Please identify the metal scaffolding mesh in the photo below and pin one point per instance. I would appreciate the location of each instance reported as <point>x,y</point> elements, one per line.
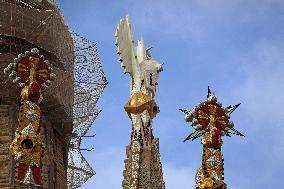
<point>25,24</point>
<point>32,4</point>
<point>89,84</point>
<point>44,28</point>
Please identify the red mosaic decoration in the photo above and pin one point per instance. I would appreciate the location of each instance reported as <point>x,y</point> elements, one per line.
<point>212,109</point>
<point>22,171</point>
<point>32,73</point>
<point>34,95</point>
<point>33,61</point>
<point>211,120</point>
<point>36,175</point>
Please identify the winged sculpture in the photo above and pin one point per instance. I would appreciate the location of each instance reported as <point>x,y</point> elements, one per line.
<point>138,62</point>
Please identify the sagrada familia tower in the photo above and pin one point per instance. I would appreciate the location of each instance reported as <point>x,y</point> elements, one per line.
<point>142,167</point>
<point>211,121</point>
<point>51,80</point>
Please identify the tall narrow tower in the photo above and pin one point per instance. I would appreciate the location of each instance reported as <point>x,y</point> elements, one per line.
<point>211,121</point>
<point>68,108</point>
<point>142,167</point>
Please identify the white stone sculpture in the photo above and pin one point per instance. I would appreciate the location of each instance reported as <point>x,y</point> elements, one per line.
<point>138,62</point>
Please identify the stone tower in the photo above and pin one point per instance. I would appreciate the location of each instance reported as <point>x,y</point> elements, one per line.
<point>66,116</point>
<point>143,168</point>
<point>211,121</point>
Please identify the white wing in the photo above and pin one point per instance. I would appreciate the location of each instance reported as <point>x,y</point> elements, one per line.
<point>125,45</point>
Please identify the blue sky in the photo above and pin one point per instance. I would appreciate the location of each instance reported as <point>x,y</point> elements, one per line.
<point>234,46</point>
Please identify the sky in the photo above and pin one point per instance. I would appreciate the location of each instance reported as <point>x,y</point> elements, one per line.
<point>234,46</point>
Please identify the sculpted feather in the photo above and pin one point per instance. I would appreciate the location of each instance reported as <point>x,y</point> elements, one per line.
<point>125,45</point>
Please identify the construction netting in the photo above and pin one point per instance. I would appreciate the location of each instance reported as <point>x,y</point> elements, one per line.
<point>89,84</point>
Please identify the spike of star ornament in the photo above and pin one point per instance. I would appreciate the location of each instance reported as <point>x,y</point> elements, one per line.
<point>211,121</point>
<point>32,73</point>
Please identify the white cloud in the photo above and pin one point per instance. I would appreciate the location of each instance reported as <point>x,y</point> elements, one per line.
<point>262,90</point>
<point>186,20</point>
<point>168,18</point>
<point>178,177</point>
<point>262,95</point>
<point>109,167</point>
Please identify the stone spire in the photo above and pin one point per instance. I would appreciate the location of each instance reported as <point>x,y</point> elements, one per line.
<point>31,72</point>
<point>211,121</point>
<point>142,167</point>
<point>65,114</point>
